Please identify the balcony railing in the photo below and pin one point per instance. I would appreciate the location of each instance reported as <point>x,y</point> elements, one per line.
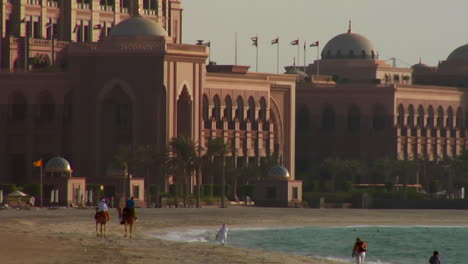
<point>33,2</point>
<point>52,3</point>
<point>124,10</point>
<point>149,12</point>
<point>83,6</point>
<point>107,8</point>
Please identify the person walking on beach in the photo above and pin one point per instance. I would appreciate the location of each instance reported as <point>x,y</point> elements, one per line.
<point>222,234</point>
<point>435,258</point>
<point>359,251</point>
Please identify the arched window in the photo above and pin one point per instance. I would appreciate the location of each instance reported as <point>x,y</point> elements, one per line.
<point>401,116</point>
<point>46,107</point>
<point>440,117</point>
<point>216,113</point>
<point>459,120</point>
<point>430,117</point>
<point>18,107</point>
<point>328,118</point>
<point>363,54</point>
<point>228,112</point>
<point>379,119</point>
<point>240,109</point>
<point>373,54</point>
<point>410,120</point>
<point>420,121</point>
<point>251,111</point>
<point>206,117</point>
<point>263,110</point>
<point>354,119</point>
<point>450,117</point>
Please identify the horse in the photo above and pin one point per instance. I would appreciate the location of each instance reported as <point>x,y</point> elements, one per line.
<point>127,219</point>
<point>101,219</point>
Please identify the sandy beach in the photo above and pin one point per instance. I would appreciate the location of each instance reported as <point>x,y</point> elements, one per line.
<point>68,235</point>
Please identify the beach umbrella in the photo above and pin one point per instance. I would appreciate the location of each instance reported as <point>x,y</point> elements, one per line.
<point>17,194</point>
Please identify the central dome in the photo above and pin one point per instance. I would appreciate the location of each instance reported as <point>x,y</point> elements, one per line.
<point>461,53</point>
<point>138,26</point>
<point>349,46</point>
<point>278,172</point>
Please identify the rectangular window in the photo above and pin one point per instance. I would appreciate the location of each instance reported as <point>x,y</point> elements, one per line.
<point>86,34</point>
<point>295,193</point>
<point>136,192</point>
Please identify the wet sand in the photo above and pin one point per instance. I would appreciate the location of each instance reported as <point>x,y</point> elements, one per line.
<point>68,235</point>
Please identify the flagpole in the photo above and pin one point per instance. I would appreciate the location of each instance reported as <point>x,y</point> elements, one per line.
<point>305,55</point>
<point>318,61</point>
<point>257,55</point>
<point>298,49</point>
<point>41,187</point>
<point>277,57</point>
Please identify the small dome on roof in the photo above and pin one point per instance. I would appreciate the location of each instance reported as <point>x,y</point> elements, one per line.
<point>58,164</point>
<point>138,26</point>
<point>278,172</point>
<point>349,46</point>
<point>460,53</point>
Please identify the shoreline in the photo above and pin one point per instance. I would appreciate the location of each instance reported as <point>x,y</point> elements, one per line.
<point>68,235</point>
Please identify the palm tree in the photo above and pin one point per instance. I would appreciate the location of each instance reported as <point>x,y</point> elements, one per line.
<point>183,161</point>
<point>217,148</point>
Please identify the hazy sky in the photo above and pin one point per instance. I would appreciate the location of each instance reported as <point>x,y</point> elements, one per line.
<point>405,29</point>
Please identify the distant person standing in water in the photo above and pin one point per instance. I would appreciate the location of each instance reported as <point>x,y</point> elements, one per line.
<point>359,251</point>
<point>222,234</point>
<point>435,258</point>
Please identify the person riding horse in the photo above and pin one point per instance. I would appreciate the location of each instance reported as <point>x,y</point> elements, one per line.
<point>129,209</point>
<point>102,210</point>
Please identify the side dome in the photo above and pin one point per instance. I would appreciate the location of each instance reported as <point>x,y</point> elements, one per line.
<point>278,172</point>
<point>349,46</point>
<point>58,164</point>
<point>138,26</point>
<point>461,53</point>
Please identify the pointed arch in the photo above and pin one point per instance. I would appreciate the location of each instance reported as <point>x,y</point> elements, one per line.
<point>228,108</point>
<point>216,112</point>
<point>263,109</point>
<point>421,117</point>
<point>184,113</point>
<point>449,121</point>
<point>401,115</point>
<point>251,110</point>
<point>430,117</point>
<point>410,120</point>
<point>440,117</point>
<point>206,114</point>
<point>459,119</point>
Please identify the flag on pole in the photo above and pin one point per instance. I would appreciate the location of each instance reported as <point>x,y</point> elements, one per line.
<point>275,41</point>
<point>48,24</point>
<point>314,44</point>
<point>37,163</point>
<point>294,42</point>
<point>254,41</point>
<point>208,44</point>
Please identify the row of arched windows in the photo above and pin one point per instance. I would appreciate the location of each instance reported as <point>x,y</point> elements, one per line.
<point>230,111</point>
<point>430,118</point>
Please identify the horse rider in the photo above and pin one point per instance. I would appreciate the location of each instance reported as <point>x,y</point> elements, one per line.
<point>130,206</point>
<point>103,208</point>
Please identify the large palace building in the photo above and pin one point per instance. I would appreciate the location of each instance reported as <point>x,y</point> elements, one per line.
<point>362,107</point>
<point>79,78</point>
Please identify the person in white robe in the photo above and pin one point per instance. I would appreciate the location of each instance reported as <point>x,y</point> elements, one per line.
<point>222,234</point>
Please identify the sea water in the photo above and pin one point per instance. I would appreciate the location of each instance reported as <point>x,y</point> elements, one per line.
<point>386,244</point>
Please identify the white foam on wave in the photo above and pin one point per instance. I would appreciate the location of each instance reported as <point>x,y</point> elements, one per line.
<point>192,235</point>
